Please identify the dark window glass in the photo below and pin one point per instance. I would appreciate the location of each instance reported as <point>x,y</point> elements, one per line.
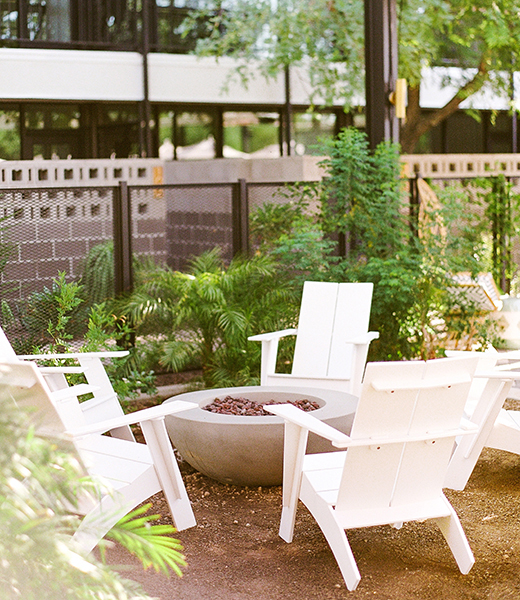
<point>8,19</point>
<point>186,135</point>
<point>310,131</point>
<point>118,131</point>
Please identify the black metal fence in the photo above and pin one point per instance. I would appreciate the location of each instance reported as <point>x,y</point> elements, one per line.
<point>48,231</point>
<point>495,200</point>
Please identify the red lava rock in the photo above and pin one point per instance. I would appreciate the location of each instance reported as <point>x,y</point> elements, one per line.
<point>250,408</point>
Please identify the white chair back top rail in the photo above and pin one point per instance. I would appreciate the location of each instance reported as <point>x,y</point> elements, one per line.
<point>331,314</point>
<point>411,471</point>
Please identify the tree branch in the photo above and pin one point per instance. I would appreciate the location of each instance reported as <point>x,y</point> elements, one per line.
<point>417,123</point>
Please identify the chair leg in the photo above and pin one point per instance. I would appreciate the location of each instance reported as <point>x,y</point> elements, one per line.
<point>460,467</point>
<point>295,442</point>
<point>287,521</point>
<point>454,534</point>
<point>168,473</point>
<point>337,540</point>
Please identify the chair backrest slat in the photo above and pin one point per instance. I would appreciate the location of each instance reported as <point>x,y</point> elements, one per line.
<point>330,315</point>
<point>315,326</point>
<point>383,413</point>
<point>351,321</point>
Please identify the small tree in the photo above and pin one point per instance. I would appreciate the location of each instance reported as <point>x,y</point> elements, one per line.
<point>363,200</point>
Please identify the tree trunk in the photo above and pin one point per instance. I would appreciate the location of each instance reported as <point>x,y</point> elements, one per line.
<point>417,123</point>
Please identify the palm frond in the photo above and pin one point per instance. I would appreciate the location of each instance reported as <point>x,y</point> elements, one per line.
<point>150,543</point>
<point>179,355</point>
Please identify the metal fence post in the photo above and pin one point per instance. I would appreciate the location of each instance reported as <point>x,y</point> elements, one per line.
<point>240,218</point>
<point>414,203</point>
<point>122,222</point>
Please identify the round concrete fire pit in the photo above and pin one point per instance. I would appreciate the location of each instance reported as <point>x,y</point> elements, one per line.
<point>246,450</point>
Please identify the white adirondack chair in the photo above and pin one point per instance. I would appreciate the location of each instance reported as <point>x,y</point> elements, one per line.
<point>129,472</point>
<point>497,428</point>
<point>332,339</point>
<point>103,405</point>
<point>393,470</point>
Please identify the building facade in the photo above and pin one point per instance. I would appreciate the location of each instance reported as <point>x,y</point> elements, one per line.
<point>115,78</point>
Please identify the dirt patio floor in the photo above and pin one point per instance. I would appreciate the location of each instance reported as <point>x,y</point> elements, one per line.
<point>235,553</point>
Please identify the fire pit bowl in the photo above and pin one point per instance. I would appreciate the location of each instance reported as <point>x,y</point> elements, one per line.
<point>246,450</point>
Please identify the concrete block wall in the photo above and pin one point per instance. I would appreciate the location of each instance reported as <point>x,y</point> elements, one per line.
<point>149,228</point>
<point>52,231</point>
<point>58,210</point>
<point>198,218</point>
<point>80,172</point>
<point>448,166</point>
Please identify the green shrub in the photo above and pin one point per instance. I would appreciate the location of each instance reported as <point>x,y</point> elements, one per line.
<point>204,317</point>
<point>55,315</point>
<point>67,318</point>
<point>362,231</point>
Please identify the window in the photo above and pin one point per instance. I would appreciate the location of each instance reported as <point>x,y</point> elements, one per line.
<point>186,135</point>
<point>8,19</point>
<point>251,133</point>
<point>48,116</point>
<point>9,134</point>
<point>167,26</point>
<point>310,130</point>
<point>48,20</point>
<point>118,131</point>
<point>100,22</point>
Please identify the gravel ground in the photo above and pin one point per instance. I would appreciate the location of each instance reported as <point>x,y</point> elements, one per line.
<point>235,553</point>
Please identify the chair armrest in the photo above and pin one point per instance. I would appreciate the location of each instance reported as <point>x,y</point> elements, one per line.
<point>275,335</point>
<point>76,355</point>
<point>508,355</point>
<point>496,374</point>
<point>290,413</point>
<point>147,414</point>
<point>366,338</point>
<point>508,366</point>
<point>270,350</point>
